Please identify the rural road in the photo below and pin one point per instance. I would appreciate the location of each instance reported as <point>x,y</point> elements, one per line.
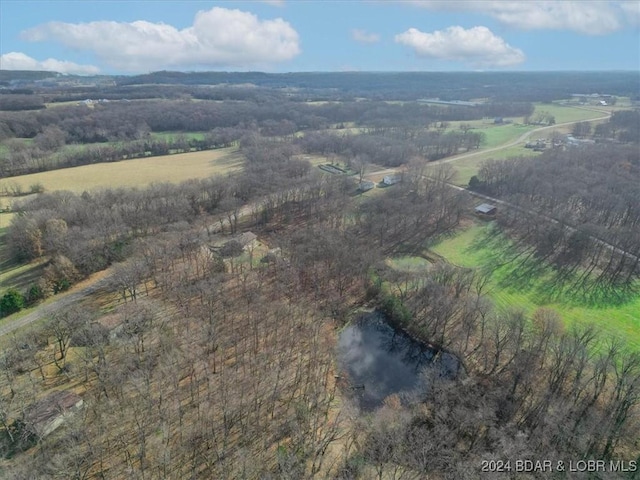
<point>497,201</point>
<point>521,139</point>
<point>101,279</point>
<point>67,299</point>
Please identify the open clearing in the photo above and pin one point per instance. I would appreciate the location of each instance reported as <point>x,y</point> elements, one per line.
<point>12,273</point>
<point>468,167</point>
<point>409,264</point>
<point>138,172</point>
<point>466,249</point>
<point>565,113</point>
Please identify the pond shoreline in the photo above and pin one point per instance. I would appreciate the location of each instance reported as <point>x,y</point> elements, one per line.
<point>379,359</point>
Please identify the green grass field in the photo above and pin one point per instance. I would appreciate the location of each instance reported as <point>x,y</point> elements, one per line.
<point>174,135</point>
<point>137,172</point>
<point>468,167</point>
<point>468,248</point>
<point>496,135</point>
<point>408,264</point>
<point>565,113</point>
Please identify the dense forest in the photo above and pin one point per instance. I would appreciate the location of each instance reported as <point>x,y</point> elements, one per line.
<point>591,197</point>
<point>191,330</point>
<point>223,369</point>
<point>120,130</point>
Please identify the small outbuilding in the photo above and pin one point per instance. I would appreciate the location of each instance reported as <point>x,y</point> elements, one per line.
<point>366,185</point>
<point>389,180</point>
<point>486,210</point>
<point>44,416</point>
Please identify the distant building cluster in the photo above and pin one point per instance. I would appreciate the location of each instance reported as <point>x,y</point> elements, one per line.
<point>463,103</point>
<point>601,99</point>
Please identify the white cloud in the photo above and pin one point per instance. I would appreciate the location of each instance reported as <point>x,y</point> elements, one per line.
<point>20,61</point>
<point>631,10</point>
<point>218,38</point>
<point>587,17</point>
<point>363,36</point>
<point>477,46</point>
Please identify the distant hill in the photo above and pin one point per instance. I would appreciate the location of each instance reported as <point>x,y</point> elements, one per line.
<point>530,86</point>
<point>26,75</point>
<point>447,86</point>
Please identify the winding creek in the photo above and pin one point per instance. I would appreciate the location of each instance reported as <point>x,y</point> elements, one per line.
<point>379,360</point>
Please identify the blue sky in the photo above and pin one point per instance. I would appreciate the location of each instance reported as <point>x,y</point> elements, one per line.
<point>131,36</point>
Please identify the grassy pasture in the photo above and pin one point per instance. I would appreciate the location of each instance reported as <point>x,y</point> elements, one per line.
<point>169,136</point>
<point>137,172</point>
<point>468,248</point>
<point>566,113</point>
<point>468,167</point>
<point>496,135</point>
<point>408,264</point>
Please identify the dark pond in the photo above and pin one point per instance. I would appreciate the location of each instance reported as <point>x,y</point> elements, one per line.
<point>379,360</point>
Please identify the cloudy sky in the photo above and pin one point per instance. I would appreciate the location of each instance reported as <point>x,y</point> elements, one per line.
<point>130,36</point>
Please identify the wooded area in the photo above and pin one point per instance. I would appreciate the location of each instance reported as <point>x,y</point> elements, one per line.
<point>589,197</point>
<point>206,348</point>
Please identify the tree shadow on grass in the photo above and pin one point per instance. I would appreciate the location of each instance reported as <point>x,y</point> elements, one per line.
<point>588,293</point>
<point>515,269</point>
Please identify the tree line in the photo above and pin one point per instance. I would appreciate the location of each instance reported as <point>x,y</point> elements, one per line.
<point>587,198</point>
<point>221,371</point>
<point>118,131</point>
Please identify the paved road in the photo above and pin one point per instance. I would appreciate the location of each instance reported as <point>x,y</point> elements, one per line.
<point>572,229</point>
<point>92,285</point>
<point>521,139</point>
<point>67,299</point>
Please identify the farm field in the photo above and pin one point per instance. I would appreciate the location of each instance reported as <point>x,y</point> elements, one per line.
<point>565,113</point>
<point>138,172</point>
<point>468,167</point>
<point>503,134</point>
<point>466,249</point>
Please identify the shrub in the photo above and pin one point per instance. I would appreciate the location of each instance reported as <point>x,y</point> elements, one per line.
<point>34,294</point>
<point>12,301</point>
<point>36,188</point>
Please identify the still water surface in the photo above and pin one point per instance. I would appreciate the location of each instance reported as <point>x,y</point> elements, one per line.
<point>385,361</point>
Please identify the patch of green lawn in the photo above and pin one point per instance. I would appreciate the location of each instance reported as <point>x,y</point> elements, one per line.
<point>169,136</point>
<point>468,167</point>
<point>565,113</point>
<point>496,135</point>
<point>470,248</point>
<point>409,264</point>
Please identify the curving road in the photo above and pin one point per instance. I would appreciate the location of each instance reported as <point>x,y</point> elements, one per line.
<point>521,139</point>
<point>102,279</point>
<point>77,293</point>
